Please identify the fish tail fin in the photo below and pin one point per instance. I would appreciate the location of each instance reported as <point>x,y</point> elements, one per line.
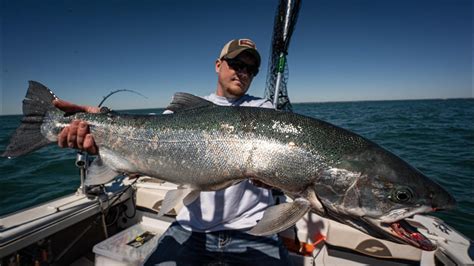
<point>27,137</point>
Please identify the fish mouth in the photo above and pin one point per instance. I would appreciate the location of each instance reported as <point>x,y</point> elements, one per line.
<point>400,226</point>
<point>406,232</point>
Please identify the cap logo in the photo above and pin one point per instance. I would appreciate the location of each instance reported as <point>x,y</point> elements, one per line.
<point>247,42</point>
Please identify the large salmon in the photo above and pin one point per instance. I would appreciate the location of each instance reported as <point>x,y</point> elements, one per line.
<point>202,147</point>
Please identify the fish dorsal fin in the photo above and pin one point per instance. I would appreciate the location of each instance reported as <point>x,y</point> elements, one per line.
<point>184,101</point>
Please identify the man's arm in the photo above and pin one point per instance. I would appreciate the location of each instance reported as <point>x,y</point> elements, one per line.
<point>77,134</point>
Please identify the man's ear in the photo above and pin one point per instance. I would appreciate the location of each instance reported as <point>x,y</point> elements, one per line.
<point>218,65</point>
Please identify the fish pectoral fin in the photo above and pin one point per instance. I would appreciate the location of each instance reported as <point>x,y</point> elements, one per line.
<point>192,196</point>
<point>175,198</point>
<point>280,217</point>
<point>98,173</point>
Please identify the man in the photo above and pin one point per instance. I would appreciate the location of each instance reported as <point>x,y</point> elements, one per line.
<point>211,230</point>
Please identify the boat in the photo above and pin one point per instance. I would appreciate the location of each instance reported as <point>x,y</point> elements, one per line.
<point>118,224</point>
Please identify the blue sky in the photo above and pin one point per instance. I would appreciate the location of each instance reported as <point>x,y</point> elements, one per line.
<point>341,50</point>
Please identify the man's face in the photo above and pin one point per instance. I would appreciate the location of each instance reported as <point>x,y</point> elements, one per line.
<point>235,75</point>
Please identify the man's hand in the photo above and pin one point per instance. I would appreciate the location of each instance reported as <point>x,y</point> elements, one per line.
<point>77,134</point>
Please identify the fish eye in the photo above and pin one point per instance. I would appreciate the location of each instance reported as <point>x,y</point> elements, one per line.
<point>401,195</point>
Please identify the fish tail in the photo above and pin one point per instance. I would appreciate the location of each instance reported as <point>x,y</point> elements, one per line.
<point>28,137</point>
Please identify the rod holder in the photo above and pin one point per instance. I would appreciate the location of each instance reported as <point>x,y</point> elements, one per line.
<point>82,162</point>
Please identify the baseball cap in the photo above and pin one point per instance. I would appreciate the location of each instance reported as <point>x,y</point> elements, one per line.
<point>234,47</point>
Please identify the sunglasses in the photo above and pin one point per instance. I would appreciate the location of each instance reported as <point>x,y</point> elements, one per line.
<point>238,66</point>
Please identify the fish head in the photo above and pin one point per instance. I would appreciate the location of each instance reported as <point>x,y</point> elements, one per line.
<point>375,191</point>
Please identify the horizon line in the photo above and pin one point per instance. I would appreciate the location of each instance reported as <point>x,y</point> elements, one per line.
<point>329,101</point>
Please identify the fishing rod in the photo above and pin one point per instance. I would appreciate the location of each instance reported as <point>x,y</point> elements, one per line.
<point>121,90</point>
<point>277,77</point>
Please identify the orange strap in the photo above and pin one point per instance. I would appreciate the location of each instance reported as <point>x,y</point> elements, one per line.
<point>303,248</point>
